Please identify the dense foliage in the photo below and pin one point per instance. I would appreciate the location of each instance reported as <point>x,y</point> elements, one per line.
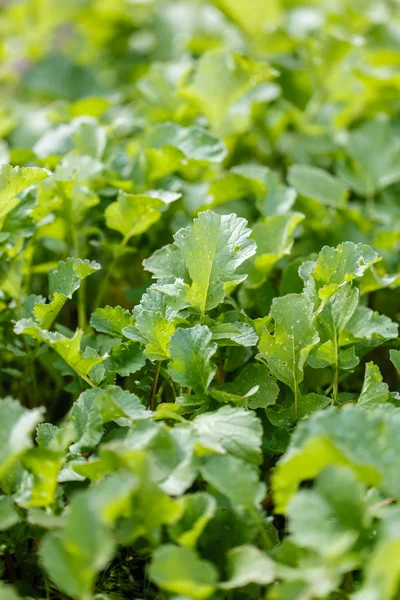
<point>199,274</point>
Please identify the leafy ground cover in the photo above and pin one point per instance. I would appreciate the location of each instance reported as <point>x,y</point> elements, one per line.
<point>199,275</point>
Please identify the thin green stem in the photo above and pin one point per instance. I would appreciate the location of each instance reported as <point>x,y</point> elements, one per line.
<point>335,388</point>
<point>295,386</point>
<point>75,250</point>
<point>88,381</point>
<point>154,386</point>
<point>370,204</point>
<point>261,528</point>
<point>82,305</point>
<point>103,286</point>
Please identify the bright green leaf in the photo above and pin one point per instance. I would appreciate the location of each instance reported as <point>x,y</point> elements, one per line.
<point>182,571</point>
<point>223,243</point>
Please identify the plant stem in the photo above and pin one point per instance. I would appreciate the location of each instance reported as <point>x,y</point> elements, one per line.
<point>370,204</point>
<point>88,381</point>
<point>220,370</point>
<point>295,386</point>
<point>260,526</point>
<point>82,305</point>
<point>295,400</point>
<point>103,286</point>
<point>382,503</point>
<point>154,386</point>
<point>75,250</point>
<point>335,388</point>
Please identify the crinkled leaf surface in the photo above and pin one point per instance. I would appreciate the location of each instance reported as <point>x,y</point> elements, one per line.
<point>68,348</point>
<point>255,387</point>
<point>133,214</point>
<point>337,266</point>
<point>233,430</point>
<point>374,389</point>
<point>111,320</point>
<point>14,180</point>
<point>191,358</point>
<point>223,243</point>
<point>63,282</point>
<point>286,351</point>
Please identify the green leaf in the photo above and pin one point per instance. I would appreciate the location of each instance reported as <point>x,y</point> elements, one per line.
<point>154,318</point>
<point>111,320</point>
<point>44,466</point>
<point>365,441</point>
<point>286,351</point>
<point>126,358</point>
<point>151,508</point>
<point>317,184</point>
<point>63,282</point>
<point>94,408</point>
<point>235,431</point>
<point>18,424</point>
<point>8,592</point>
<point>167,262</point>
<point>86,539</point>
<point>14,180</point>
<point>382,572</point>
<point>152,437</point>
<point>193,143</point>
<point>67,348</point>
<point>254,21</point>
<point>252,181</point>
<point>306,406</point>
<point>376,278</point>
<point>279,198</point>
<point>374,389</point>
<point>329,518</point>
<point>8,513</point>
<point>235,479</point>
<point>247,564</point>
<point>133,214</point>
<point>255,387</point>
<point>221,80</point>
<point>339,310</point>
<point>158,332</point>
<point>332,320</point>
<point>242,181</point>
<point>274,239</point>
<point>228,332</point>
<point>45,434</point>
<point>185,472</point>
<point>224,244</point>
<point>337,266</point>
<point>368,326</point>
<point>181,571</point>
<point>199,509</point>
<point>371,167</point>
<point>191,353</point>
